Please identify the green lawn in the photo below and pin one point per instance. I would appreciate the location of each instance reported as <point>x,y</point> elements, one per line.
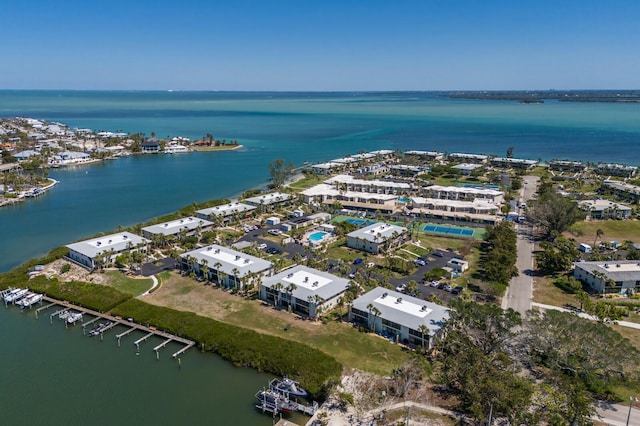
<point>614,230</point>
<point>307,182</point>
<point>125,284</point>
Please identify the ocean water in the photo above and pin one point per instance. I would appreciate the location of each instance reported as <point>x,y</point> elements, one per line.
<point>56,376</point>
<point>299,127</point>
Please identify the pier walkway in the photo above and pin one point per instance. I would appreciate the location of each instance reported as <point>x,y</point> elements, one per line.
<point>132,326</point>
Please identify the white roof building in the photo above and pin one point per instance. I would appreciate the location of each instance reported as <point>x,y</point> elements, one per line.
<point>613,276</point>
<point>397,315</point>
<point>304,289</point>
<point>225,210</point>
<point>269,199</point>
<point>85,252</point>
<point>374,237</point>
<point>226,266</point>
<point>174,227</point>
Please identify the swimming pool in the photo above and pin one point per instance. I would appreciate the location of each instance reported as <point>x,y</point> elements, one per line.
<point>317,236</point>
<point>404,200</point>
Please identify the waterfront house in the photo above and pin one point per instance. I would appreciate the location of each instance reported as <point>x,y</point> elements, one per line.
<point>618,276</point>
<point>305,291</point>
<point>567,166</point>
<point>100,251</point>
<point>150,147</point>
<point>425,155</point>
<point>179,227</point>
<point>516,163</point>
<point>269,201</point>
<point>619,170</point>
<point>377,238</point>
<point>605,209</point>
<point>466,168</point>
<point>467,158</point>
<point>225,213</point>
<point>403,318</point>
<point>226,267</point>
<point>25,155</point>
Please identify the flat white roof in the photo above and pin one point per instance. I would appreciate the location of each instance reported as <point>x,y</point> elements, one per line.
<point>377,232</point>
<point>463,190</point>
<point>404,310</point>
<point>229,260</point>
<point>175,226</point>
<point>266,199</point>
<point>380,183</point>
<point>309,282</point>
<point>463,155</point>
<point>226,209</point>
<point>478,203</point>
<point>118,242</point>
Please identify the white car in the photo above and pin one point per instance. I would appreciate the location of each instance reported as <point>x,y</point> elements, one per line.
<point>435,283</point>
<point>262,246</point>
<point>274,231</point>
<point>401,288</point>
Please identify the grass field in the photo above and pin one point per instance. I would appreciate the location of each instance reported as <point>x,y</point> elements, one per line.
<point>306,182</point>
<point>125,284</point>
<point>352,348</point>
<point>614,230</point>
<point>544,291</point>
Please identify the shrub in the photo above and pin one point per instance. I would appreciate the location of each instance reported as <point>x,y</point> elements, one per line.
<point>65,268</point>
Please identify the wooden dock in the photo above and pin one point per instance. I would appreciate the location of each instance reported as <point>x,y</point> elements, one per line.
<point>131,326</point>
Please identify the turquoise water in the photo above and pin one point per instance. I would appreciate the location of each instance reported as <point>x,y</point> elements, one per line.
<point>51,375</point>
<point>404,199</point>
<point>317,236</point>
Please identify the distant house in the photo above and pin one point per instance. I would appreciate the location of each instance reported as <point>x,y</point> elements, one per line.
<point>306,291</point>
<point>467,158</point>
<point>377,238</point>
<point>150,147</point>
<point>466,168</point>
<point>605,209</point>
<point>567,166</point>
<point>187,225</point>
<point>25,155</point>
<point>623,190</point>
<point>620,170</point>
<point>516,163</point>
<point>403,318</point>
<point>226,212</point>
<point>89,253</point>
<point>458,265</point>
<point>269,201</point>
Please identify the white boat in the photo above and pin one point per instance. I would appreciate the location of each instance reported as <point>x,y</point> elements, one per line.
<point>64,315</point>
<point>25,299</point>
<point>31,300</point>
<point>175,149</point>
<point>9,293</point>
<point>13,297</point>
<point>73,317</point>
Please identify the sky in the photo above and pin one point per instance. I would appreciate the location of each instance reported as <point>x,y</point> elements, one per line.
<point>326,45</point>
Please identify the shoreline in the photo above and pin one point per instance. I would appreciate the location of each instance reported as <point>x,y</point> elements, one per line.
<point>216,148</point>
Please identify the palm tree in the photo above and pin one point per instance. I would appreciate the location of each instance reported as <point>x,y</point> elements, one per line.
<point>235,272</point>
<point>277,287</point>
<point>599,234</point>
<point>424,330</point>
<point>205,269</point>
<point>217,267</point>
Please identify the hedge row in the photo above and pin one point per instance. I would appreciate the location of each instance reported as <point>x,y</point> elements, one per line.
<point>315,370</point>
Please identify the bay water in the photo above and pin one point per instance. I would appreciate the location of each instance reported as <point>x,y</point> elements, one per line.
<point>58,376</point>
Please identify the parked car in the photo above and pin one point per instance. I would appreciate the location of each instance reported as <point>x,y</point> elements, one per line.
<point>434,283</point>
<point>437,253</point>
<point>357,261</point>
<point>262,246</point>
<point>274,231</point>
<point>401,288</point>
<point>457,290</point>
<point>273,250</point>
<point>448,288</point>
<point>370,265</point>
<point>420,262</point>
<point>352,275</point>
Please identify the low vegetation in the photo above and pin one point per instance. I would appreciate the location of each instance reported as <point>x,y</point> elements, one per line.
<point>244,347</point>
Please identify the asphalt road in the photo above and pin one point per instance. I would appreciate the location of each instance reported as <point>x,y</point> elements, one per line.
<point>520,291</point>
<point>616,415</point>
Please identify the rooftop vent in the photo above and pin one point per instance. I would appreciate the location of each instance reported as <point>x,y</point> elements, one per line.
<point>124,237</point>
<point>98,243</point>
<point>424,308</point>
<point>289,275</point>
<point>606,265</point>
<point>109,241</point>
<point>237,257</point>
<point>384,295</point>
<point>166,224</point>
<point>617,265</point>
<point>209,248</point>
<point>399,300</point>
<point>181,221</point>
<point>217,251</point>
<point>246,261</point>
<point>315,284</point>
<point>306,279</point>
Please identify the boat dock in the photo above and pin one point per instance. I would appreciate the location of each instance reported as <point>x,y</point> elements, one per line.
<point>274,400</point>
<point>105,322</point>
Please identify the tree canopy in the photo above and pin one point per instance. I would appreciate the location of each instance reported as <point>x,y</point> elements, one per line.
<point>553,213</point>
<point>279,172</point>
<point>500,253</point>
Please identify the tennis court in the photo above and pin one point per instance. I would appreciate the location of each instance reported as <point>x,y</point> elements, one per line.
<point>448,230</point>
<point>359,222</point>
